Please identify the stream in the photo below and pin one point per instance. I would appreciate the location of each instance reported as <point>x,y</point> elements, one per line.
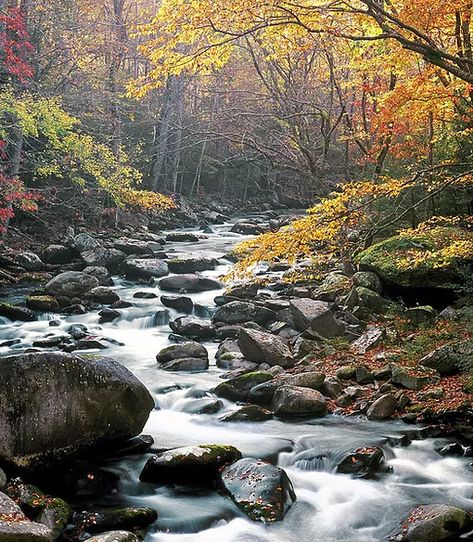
<point>329,507</point>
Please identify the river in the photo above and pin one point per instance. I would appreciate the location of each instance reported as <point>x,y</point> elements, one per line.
<point>329,507</point>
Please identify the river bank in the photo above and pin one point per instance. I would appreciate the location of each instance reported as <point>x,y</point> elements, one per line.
<point>313,373</point>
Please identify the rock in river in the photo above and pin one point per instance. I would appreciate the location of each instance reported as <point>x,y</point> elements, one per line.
<point>144,268</point>
<point>434,523</point>
<point>261,490</point>
<point>16,527</point>
<point>71,284</point>
<point>259,346</point>
<point>55,406</point>
<point>188,283</point>
<point>237,389</point>
<point>189,349</point>
<point>195,465</point>
<point>296,401</point>
<point>194,328</point>
<point>315,315</point>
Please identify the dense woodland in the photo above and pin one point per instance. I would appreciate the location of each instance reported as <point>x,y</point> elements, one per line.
<point>246,230</point>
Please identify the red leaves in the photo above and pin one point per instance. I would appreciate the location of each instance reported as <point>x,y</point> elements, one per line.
<point>15,45</point>
<point>13,194</point>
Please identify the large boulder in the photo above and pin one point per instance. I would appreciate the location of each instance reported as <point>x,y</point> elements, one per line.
<point>315,315</point>
<point>362,462</point>
<point>133,246</point>
<point>194,328</point>
<point>178,302</point>
<point>191,264</point>
<point>16,312</point>
<point>384,407</point>
<point>144,268</point>
<point>16,527</point>
<point>296,401</point>
<point>188,283</point>
<point>94,254</point>
<point>71,284</point>
<point>261,490</point>
<point>450,358</point>
<point>237,389</point>
<point>54,406</point>
<point>259,346</point>
<point>115,536</point>
<point>388,259</point>
<point>189,349</point>
<point>435,523</point>
<point>57,254</point>
<point>190,465</point>
<point>238,312</point>
<point>29,261</point>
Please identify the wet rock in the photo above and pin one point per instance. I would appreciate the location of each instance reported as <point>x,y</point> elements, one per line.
<point>450,358</point>
<point>128,518</point>
<point>455,449</point>
<point>228,352</point>
<point>145,295</point>
<point>247,228</point>
<point>248,413</point>
<point>15,526</point>
<point>133,246</point>
<point>108,315</point>
<point>103,257</point>
<point>136,445</point>
<point>296,401</point>
<point>191,465</point>
<point>237,312</point>
<point>188,283</point>
<point>178,302</point>
<point>134,268</point>
<point>15,312</point>
<point>243,290</point>
<point>182,237</point>
<point>434,523</point>
<point>57,254</point>
<point>315,315</point>
<point>363,375</point>
<point>236,389</point>
<point>194,328</point>
<point>63,392</point>
<point>369,280</point>
<point>103,294</point>
<point>412,380</point>
<point>362,462</point>
<point>186,364</point>
<point>383,408</point>
<point>71,284</point>
<point>262,394</point>
<point>42,303</point>
<point>205,405</point>
<point>100,273</point>
<point>371,338</point>
<point>189,349</point>
<point>191,264</point>
<point>29,261</point>
<point>261,490</point>
<point>260,347</point>
<point>313,380</point>
<point>114,536</point>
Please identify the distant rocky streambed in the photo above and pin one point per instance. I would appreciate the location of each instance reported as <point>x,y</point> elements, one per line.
<point>236,444</point>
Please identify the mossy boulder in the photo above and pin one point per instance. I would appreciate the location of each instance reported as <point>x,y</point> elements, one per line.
<point>43,303</point>
<point>108,519</point>
<point>15,312</point>
<point>190,465</point>
<point>422,260</point>
<point>237,389</point>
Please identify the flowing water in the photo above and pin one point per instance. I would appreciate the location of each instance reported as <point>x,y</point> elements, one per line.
<point>329,507</point>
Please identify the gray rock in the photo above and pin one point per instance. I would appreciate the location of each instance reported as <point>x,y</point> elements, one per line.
<point>43,303</point>
<point>315,315</point>
<point>194,328</point>
<point>186,364</point>
<point>261,490</point>
<point>368,279</point>
<point>3,480</point>
<point>103,294</point>
<point>83,242</point>
<point>237,312</point>
<point>421,314</point>
<point>133,246</point>
<point>57,254</point>
<point>191,465</point>
<point>20,528</point>
<point>371,338</point>
<point>383,408</point>
<point>296,401</point>
<point>29,261</point>
<point>450,358</point>
<point>371,300</point>
<point>15,312</point>
<point>191,264</point>
<point>332,387</point>
<point>312,380</point>
<point>362,463</point>
<point>115,518</point>
<point>114,536</point>
<point>406,379</point>
<point>100,273</point>
<point>55,406</point>
<point>435,523</point>
<point>71,284</point>
<point>188,283</point>
<point>260,347</point>
<point>178,302</point>
<point>205,405</point>
<point>237,389</point>
<point>248,413</point>
<point>110,258</point>
<point>189,349</point>
<point>247,228</point>
<point>182,237</point>
<point>144,268</point>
